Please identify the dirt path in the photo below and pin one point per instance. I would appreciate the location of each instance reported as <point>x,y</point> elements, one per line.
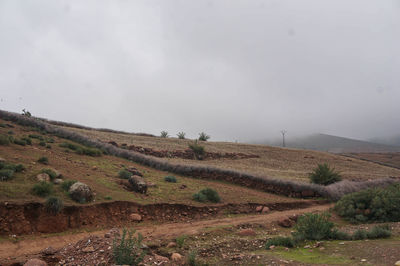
<point>9,249</point>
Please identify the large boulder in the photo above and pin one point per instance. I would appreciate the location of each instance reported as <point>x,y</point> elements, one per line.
<point>81,192</point>
<point>138,184</point>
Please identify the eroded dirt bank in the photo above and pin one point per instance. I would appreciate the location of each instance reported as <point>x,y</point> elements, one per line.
<point>33,218</point>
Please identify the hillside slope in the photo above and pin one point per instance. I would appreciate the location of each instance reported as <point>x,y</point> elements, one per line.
<point>273,161</point>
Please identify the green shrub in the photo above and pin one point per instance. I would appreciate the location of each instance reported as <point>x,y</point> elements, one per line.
<point>324,175</point>
<point>42,189</point>
<point>43,160</point>
<point>181,135</point>
<point>191,261</point>
<point>4,140</point>
<point>50,140</point>
<point>48,146</point>
<point>207,194</point>
<point>312,226</point>
<point>375,204</point>
<point>34,136</point>
<point>14,167</point>
<point>54,205</point>
<point>81,150</point>
<point>67,184</point>
<point>339,235</point>
<point>203,136</point>
<point>27,140</point>
<point>20,142</point>
<point>164,134</point>
<point>108,198</point>
<point>6,174</point>
<point>359,234</point>
<point>198,150</point>
<point>379,231</point>
<point>42,143</point>
<point>180,241</point>
<point>52,174</point>
<point>26,113</point>
<point>280,241</point>
<point>10,132</point>
<point>124,174</point>
<point>170,178</point>
<point>128,249</point>
<point>3,125</point>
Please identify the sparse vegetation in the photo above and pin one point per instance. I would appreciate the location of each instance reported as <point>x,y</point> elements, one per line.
<point>280,241</point>
<point>197,149</point>
<point>375,204</point>
<point>207,194</point>
<point>27,140</point>
<point>14,167</point>
<point>34,136</point>
<point>42,143</point>
<point>43,160</point>
<point>6,174</point>
<point>26,113</point>
<point>48,146</point>
<point>180,241</point>
<point>203,136</point>
<point>164,134</point>
<point>54,205</point>
<point>67,184</point>
<point>181,135</point>
<point>128,249</point>
<point>42,189</point>
<point>108,198</point>
<point>170,178</point>
<point>324,175</point>
<point>82,150</point>
<point>52,174</point>
<point>124,174</point>
<point>20,142</point>
<point>4,140</point>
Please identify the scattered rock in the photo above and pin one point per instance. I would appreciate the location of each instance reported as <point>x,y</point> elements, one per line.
<point>134,217</point>
<point>94,167</point>
<point>134,171</point>
<point>259,208</point>
<point>285,222</point>
<point>247,232</point>
<point>81,192</point>
<point>265,210</point>
<point>341,243</point>
<point>88,249</point>
<point>43,177</point>
<point>138,184</point>
<point>171,245</point>
<point>35,262</point>
<point>160,259</point>
<point>57,181</point>
<point>176,257</point>
<point>48,251</point>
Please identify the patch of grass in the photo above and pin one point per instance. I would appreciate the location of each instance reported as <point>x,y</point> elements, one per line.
<point>128,249</point>
<point>54,205</point>
<point>108,198</point>
<point>180,240</point>
<point>34,136</point>
<point>316,257</point>
<point>207,194</point>
<point>280,241</point>
<point>170,178</point>
<point>15,167</point>
<point>43,160</point>
<point>67,184</point>
<point>27,140</point>
<point>324,175</point>
<point>81,149</point>
<point>124,174</point>
<point>6,174</point>
<point>48,146</point>
<point>42,189</point>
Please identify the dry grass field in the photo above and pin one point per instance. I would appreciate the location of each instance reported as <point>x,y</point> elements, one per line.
<point>272,162</point>
<point>391,159</point>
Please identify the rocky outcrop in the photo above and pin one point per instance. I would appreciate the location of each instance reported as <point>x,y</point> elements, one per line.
<point>138,184</point>
<point>81,192</point>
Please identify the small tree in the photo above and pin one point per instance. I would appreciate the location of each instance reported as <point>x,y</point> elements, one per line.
<point>203,136</point>
<point>181,135</point>
<point>324,175</point>
<point>26,113</point>
<point>128,249</point>
<point>198,150</point>
<point>164,134</point>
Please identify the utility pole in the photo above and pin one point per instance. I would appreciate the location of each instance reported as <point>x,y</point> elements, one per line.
<point>283,132</point>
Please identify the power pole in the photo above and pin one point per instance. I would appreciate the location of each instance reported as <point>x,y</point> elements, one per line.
<point>283,132</point>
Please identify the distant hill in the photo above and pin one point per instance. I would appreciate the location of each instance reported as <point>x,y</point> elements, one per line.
<point>393,141</point>
<point>335,144</point>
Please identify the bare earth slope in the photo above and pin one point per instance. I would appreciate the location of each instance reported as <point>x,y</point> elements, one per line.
<point>273,161</point>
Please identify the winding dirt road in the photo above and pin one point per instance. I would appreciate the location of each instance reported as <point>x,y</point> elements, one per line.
<point>24,248</point>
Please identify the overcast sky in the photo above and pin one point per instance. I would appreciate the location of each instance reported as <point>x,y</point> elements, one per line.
<point>238,70</point>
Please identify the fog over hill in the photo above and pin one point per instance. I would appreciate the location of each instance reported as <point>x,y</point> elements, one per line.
<point>335,144</point>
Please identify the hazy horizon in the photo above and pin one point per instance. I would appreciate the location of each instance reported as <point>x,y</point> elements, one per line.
<point>237,70</point>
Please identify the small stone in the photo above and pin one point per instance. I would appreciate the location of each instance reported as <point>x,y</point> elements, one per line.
<point>259,208</point>
<point>171,245</point>
<point>341,243</point>
<point>48,251</point>
<point>94,167</point>
<point>363,260</point>
<point>135,217</point>
<point>307,246</point>
<point>176,257</point>
<point>265,210</point>
<point>107,235</point>
<point>43,177</point>
<point>285,222</point>
<point>272,247</point>
<point>88,249</point>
